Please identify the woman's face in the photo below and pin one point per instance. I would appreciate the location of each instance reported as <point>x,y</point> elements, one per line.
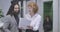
<point>30,9</point>
<point>16,8</point>
<point>47,18</point>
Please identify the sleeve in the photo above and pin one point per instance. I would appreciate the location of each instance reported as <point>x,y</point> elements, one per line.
<point>38,20</point>
<point>6,24</point>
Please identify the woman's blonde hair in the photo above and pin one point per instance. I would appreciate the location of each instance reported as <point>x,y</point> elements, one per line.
<point>34,6</point>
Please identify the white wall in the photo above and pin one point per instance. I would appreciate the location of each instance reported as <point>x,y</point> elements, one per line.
<point>55,16</point>
<point>40,11</point>
<point>59,15</point>
<point>0,5</point>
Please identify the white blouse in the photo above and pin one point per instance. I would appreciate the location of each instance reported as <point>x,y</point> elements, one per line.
<point>35,21</point>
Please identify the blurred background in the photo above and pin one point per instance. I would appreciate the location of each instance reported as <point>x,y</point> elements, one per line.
<point>46,8</point>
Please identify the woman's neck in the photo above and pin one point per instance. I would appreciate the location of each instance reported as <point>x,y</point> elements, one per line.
<point>32,14</point>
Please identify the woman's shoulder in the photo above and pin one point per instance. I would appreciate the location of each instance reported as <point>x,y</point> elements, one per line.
<point>7,17</point>
<point>38,15</point>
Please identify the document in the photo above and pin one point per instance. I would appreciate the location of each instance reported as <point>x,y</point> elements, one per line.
<point>24,23</point>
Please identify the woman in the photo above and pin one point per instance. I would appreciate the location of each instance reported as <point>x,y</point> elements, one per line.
<point>47,25</point>
<point>11,21</point>
<point>34,17</point>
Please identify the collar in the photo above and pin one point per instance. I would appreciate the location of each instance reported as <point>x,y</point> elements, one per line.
<point>29,16</point>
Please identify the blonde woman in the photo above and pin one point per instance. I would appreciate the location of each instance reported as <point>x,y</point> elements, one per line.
<point>34,17</point>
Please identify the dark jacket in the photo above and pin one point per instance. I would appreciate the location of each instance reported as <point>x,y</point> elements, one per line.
<point>47,25</point>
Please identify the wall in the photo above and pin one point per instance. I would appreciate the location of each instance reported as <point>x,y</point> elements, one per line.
<point>55,16</point>
<point>5,6</point>
<point>59,15</point>
<point>0,5</point>
<point>40,11</point>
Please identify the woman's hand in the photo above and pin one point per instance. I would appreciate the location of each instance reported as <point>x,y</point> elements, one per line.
<point>20,27</point>
<point>30,27</point>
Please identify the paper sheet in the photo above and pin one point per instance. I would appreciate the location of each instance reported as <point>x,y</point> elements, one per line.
<point>24,23</point>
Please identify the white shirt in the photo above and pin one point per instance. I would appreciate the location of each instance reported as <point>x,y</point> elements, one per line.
<point>35,21</point>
